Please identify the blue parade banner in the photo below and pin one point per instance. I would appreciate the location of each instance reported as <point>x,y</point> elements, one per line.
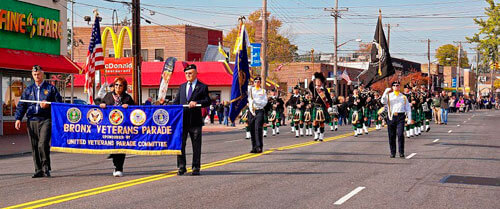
<point>140,130</point>
<point>255,51</point>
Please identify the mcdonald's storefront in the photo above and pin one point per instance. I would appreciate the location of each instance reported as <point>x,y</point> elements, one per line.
<point>32,32</point>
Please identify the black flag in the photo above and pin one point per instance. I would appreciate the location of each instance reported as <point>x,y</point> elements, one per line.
<point>380,65</point>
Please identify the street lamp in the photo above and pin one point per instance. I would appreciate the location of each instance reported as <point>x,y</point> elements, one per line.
<point>335,63</point>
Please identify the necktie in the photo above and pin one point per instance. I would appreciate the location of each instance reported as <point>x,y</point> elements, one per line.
<point>190,91</point>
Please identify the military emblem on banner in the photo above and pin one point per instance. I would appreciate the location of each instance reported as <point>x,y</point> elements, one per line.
<point>94,116</point>
<point>74,115</point>
<point>160,117</point>
<point>137,117</point>
<point>116,117</point>
<point>46,92</point>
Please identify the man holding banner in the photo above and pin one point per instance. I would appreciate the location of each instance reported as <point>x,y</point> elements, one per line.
<point>39,120</point>
<point>193,93</point>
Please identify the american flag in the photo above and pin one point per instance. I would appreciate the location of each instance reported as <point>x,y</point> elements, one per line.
<point>95,60</point>
<point>279,67</point>
<point>345,76</point>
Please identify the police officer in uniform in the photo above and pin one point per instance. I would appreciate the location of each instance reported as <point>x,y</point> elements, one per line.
<point>398,109</point>
<point>39,122</point>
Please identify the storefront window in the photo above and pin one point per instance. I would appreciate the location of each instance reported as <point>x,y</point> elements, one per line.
<point>12,89</point>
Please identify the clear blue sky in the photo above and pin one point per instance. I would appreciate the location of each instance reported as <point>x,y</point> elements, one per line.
<point>310,27</point>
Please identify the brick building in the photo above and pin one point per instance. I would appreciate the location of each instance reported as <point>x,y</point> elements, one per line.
<point>300,73</point>
<point>185,42</point>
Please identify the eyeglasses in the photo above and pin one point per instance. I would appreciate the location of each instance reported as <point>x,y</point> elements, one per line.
<point>189,73</point>
<point>396,85</point>
<point>119,85</point>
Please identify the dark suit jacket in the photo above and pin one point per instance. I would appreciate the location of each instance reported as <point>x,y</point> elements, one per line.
<point>192,116</point>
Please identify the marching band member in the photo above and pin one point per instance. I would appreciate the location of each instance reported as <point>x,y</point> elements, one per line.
<point>426,107</point>
<point>375,116</point>
<point>307,118</point>
<point>398,109</point>
<point>274,112</point>
<point>408,126</point>
<point>244,119</point>
<point>297,104</point>
<point>333,111</point>
<point>321,100</point>
<point>257,100</point>
<point>366,97</point>
<point>356,104</point>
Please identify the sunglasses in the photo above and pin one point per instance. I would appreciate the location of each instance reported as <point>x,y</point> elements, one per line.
<point>120,85</point>
<point>188,73</point>
<point>395,85</point>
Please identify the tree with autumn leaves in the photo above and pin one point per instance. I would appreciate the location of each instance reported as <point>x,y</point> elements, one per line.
<point>280,49</point>
<point>414,79</point>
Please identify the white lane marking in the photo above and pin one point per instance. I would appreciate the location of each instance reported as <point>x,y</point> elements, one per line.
<point>348,196</point>
<point>411,155</point>
<point>450,131</point>
<point>435,140</point>
<point>233,140</point>
<point>130,156</point>
<point>458,125</point>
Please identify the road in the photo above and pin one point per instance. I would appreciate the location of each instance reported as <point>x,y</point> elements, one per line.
<point>342,172</point>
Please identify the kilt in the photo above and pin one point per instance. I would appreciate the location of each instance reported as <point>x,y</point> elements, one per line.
<point>325,113</point>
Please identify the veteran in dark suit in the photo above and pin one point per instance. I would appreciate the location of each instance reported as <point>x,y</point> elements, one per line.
<point>191,93</point>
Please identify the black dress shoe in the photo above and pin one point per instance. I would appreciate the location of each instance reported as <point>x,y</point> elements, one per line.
<point>196,172</point>
<point>47,173</point>
<point>258,150</point>
<point>252,151</point>
<point>37,175</point>
<point>401,155</point>
<point>181,171</point>
<point>393,155</point>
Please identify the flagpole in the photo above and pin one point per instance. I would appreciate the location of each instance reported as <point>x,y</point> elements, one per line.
<point>379,42</point>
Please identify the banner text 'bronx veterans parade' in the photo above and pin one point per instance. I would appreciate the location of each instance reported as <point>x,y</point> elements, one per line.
<point>141,130</point>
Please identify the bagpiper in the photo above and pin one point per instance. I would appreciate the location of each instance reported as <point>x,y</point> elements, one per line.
<point>321,100</point>
<point>296,104</point>
<point>244,119</point>
<point>307,114</point>
<point>366,95</point>
<point>356,104</point>
<point>273,111</point>
<point>409,127</point>
<point>426,107</point>
<point>377,105</point>
<point>333,111</point>
<point>416,102</point>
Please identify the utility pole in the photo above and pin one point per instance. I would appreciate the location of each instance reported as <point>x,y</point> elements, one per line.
<point>458,65</point>
<point>429,65</point>
<point>136,49</point>
<point>263,72</point>
<point>335,13</point>
<point>389,32</point>
<point>477,72</point>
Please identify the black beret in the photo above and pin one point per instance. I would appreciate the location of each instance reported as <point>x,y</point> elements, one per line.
<point>190,67</point>
<point>37,68</point>
<point>407,86</point>
<point>258,78</point>
<point>296,87</point>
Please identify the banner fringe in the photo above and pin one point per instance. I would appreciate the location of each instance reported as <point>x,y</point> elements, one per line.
<point>115,151</point>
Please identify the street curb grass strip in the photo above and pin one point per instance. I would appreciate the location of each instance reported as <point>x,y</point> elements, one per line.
<point>129,183</point>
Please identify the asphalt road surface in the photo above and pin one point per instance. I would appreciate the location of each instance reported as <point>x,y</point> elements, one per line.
<point>344,172</point>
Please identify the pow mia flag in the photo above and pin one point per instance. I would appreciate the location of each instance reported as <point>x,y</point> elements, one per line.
<point>380,65</point>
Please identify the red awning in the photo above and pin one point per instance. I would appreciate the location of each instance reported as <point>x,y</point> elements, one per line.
<point>210,73</point>
<point>24,60</point>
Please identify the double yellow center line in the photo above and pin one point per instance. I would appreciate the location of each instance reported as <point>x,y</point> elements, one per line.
<point>125,184</point>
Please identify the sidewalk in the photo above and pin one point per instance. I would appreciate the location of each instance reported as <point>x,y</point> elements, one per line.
<point>18,145</point>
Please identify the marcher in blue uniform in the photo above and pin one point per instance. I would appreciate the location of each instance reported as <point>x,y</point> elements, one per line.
<point>39,122</point>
